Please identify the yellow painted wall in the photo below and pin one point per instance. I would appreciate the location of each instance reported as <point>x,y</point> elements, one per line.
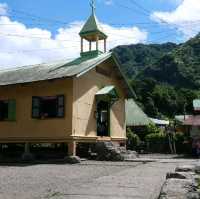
<point>85,88</point>
<point>27,128</point>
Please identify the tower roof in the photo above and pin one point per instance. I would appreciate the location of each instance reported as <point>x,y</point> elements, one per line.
<point>92,29</point>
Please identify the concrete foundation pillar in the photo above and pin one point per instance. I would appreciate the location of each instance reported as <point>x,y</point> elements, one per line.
<point>27,155</point>
<point>1,152</point>
<point>27,147</point>
<point>72,148</point>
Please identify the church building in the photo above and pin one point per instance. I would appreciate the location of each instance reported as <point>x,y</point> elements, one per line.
<point>77,101</point>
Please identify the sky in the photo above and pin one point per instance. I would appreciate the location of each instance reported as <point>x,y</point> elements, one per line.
<point>33,32</point>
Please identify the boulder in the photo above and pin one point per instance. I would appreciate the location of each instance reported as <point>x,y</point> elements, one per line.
<point>179,175</point>
<point>107,151</point>
<point>185,168</point>
<point>197,169</point>
<point>72,159</point>
<point>178,189</point>
<point>130,155</point>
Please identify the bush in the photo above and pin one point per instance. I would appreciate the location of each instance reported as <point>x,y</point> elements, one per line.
<point>149,129</point>
<point>157,142</point>
<point>133,140</point>
<point>152,129</point>
<point>183,143</point>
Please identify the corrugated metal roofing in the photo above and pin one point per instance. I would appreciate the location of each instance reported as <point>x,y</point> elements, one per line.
<point>134,115</point>
<point>188,120</point>
<point>193,120</point>
<point>196,104</point>
<point>106,90</point>
<point>49,71</point>
<point>160,122</point>
<point>92,25</point>
<point>181,118</point>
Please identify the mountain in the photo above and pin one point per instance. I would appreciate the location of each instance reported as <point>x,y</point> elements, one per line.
<point>166,77</point>
<point>135,58</point>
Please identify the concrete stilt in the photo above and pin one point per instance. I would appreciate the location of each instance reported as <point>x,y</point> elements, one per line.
<point>27,155</point>
<point>1,152</point>
<point>72,158</point>
<point>72,148</point>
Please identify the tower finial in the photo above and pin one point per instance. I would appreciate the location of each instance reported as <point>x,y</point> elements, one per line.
<point>92,4</point>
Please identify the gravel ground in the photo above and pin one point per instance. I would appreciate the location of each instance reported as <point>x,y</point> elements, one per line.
<point>88,180</point>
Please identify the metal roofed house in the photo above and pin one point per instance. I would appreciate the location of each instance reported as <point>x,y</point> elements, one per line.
<point>190,125</point>
<point>135,117</point>
<point>66,102</point>
<point>161,123</point>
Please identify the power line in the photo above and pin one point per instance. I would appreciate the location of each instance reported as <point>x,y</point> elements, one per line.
<point>33,16</point>
<point>34,37</point>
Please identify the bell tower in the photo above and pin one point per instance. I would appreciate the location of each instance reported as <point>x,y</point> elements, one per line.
<point>92,32</point>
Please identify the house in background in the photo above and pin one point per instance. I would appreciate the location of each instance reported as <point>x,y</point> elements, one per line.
<point>160,123</point>
<point>190,125</point>
<point>136,119</point>
<point>81,101</point>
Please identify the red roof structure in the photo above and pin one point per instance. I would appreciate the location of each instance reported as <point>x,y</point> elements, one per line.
<point>192,120</point>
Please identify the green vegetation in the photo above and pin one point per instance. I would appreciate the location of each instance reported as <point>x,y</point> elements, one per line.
<point>133,140</point>
<point>156,140</point>
<point>165,77</point>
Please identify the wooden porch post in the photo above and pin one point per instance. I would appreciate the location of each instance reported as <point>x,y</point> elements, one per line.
<point>97,42</point>
<point>104,45</point>
<point>81,45</point>
<point>90,45</point>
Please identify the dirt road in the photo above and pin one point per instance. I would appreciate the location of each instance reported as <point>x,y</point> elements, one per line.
<point>88,180</point>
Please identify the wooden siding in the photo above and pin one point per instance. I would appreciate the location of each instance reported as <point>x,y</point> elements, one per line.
<point>26,128</point>
<point>84,107</point>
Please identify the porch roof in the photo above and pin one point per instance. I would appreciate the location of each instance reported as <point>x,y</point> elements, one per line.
<point>106,90</point>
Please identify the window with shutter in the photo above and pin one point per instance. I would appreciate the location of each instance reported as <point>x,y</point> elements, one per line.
<point>35,107</point>
<point>48,107</point>
<point>7,110</point>
<point>11,110</point>
<point>61,106</point>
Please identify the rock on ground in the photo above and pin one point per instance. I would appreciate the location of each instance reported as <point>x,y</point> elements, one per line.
<point>177,189</point>
<point>72,159</point>
<point>181,184</point>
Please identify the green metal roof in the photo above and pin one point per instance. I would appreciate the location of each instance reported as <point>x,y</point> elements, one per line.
<point>59,69</point>
<point>134,115</point>
<point>196,104</point>
<point>107,93</point>
<point>106,90</point>
<point>53,70</point>
<point>92,26</point>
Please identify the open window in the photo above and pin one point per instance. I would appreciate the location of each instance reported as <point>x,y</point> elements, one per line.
<point>7,110</point>
<point>48,107</point>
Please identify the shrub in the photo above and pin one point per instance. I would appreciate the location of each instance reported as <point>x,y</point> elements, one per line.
<point>133,140</point>
<point>157,142</point>
<point>152,129</point>
<point>183,143</point>
<point>143,132</point>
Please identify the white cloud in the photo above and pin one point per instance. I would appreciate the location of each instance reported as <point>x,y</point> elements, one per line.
<point>3,9</point>
<point>173,2</point>
<point>108,2</point>
<point>24,49</point>
<point>186,17</point>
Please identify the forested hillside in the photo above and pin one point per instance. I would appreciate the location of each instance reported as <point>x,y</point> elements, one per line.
<point>165,77</point>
